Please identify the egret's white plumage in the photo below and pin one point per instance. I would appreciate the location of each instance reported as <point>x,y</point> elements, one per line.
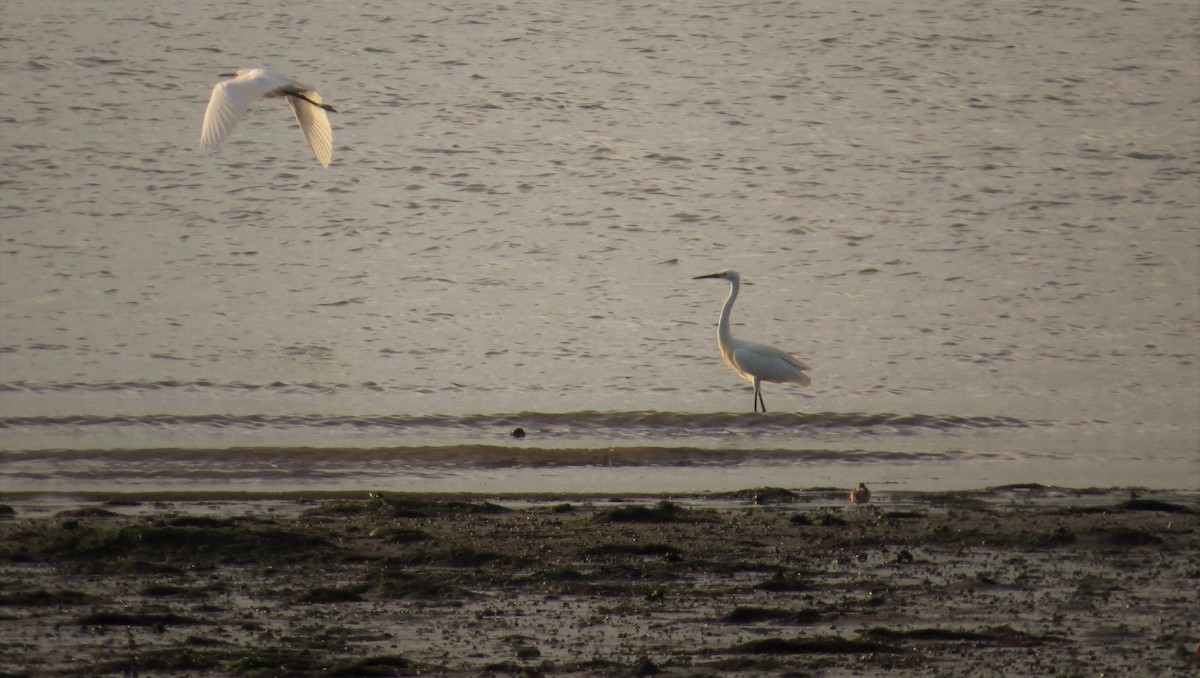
<point>232,98</point>
<point>754,362</point>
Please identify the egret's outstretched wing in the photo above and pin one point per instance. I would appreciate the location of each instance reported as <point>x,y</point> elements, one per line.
<point>227,105</point>
<point>315,125</point>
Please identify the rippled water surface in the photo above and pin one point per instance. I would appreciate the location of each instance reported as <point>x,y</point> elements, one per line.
<point>977,222</point>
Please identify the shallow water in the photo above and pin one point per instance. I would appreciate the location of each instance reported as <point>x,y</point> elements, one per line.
<point>958,214</point>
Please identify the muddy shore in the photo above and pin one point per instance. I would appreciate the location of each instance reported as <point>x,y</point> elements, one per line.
<point>1023,580</point>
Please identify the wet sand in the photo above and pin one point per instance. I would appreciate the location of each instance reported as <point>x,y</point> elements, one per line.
<point>1020,580</point>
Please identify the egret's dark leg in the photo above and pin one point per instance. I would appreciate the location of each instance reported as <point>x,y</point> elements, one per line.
<point>758,395</point>
<point>762,402</point>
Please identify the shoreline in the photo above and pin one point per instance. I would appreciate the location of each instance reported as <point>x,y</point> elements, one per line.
<point>1028,491</point>
<point>897,464</point>
<point>1013,580</point>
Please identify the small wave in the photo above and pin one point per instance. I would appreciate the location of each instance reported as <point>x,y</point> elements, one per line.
<point>234,460</point>
<point>780,420</point>
<point>548,421</point>
<point>173,385</point>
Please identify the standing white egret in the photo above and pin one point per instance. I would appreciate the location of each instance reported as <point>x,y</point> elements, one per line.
<point>231,99</point>
<point>754,362</point>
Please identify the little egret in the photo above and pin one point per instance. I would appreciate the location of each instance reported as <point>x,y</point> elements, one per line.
<point>754,362</point>
<point>231,99</point>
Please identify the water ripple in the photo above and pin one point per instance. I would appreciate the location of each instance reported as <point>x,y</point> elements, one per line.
<point>575,421</point>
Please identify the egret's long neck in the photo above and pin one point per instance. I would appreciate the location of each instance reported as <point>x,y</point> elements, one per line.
<point>724,334</point>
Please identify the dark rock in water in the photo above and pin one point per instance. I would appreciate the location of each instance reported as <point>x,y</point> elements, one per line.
<point>528,652</point>
<point>1004,636</point>
<point>634,549</point>
<point>381,506</point>
<point>134,619</point>
<point>782,581</point>
<point>811,646</point>
<point>332,594</point>
<point>1136,504</point>
<point>1047,540</point>
<point>215,540</point>
<point>1125,536</point>
<point>206,522</point>
<point>286,661</point>
<point>402,536</point>
<point>383,665</point>
<point>754,615</point>
<point>518,432</point>
<point>830,520</point>
<point>40,596</point>
<point>87,512</point>
<point>662,512</point>
<point>928,634</point>
<point>646,667</point>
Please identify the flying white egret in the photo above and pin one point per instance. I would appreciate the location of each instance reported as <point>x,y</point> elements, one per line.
<point>754,362</point>
<point>232,98</point>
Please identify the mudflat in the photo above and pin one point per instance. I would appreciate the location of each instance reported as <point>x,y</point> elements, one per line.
<point>1020,580</point>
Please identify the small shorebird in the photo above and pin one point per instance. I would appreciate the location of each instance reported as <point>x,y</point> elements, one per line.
<point>232,98</point>
<point>754,362</point>
<point>860,494</point>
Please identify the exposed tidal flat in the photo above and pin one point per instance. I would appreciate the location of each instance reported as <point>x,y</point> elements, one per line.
<point>1017,580</point>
